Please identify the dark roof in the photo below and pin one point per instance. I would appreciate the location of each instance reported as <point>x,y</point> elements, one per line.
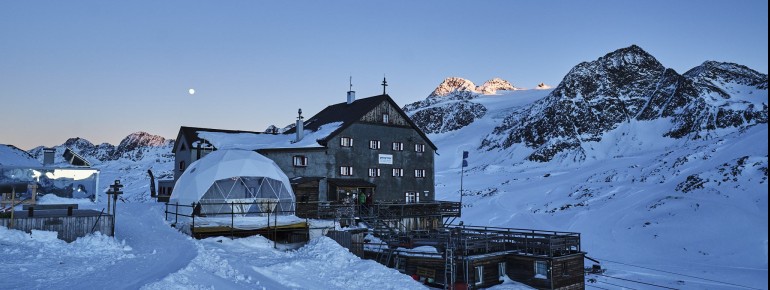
<point>350,182</point>
<point>304,179</point>
<point>190,134</point>
<point>18,186</point>
<point>75,159</point>
<point>348,114</point>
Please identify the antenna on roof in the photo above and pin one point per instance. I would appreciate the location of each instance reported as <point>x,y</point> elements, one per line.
<point>384,84</point>
<point>351,84</point>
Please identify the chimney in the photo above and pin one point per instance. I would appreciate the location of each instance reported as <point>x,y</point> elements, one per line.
<point>48,155</point>
<point>351,97</point>
<point>300,127</point>
<point>351,92</point>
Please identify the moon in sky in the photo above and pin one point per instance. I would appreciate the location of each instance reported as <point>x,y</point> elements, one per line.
<point>191,91</point>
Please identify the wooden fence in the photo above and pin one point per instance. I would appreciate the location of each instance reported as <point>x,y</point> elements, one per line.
<point>69,228</point>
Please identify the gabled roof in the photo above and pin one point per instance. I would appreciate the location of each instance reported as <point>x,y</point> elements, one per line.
<point>334,119</point>
<point>349,114</point>
<point>190,134</point>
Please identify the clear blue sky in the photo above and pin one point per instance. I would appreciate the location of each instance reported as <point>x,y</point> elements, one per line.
<point>103,69</point>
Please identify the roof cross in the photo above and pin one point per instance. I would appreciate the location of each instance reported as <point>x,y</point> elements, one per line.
<point>384,84</point>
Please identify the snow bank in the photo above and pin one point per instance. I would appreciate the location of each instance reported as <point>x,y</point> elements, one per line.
<point>252,263</point>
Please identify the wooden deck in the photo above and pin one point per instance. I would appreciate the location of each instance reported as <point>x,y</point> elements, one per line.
<point>289,233</point>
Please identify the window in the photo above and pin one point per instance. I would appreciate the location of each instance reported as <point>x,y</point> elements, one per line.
<point>299,161</point>
<point>374,144</point>
<point>346,142</point>
<point>412,197</point>
<point>541,269</point>
<point>398,172</point>
<point>398,146</point>
<point>181,165</point>
<point>501,271</point>
<point>479,275</point>
<point>420,173</point>
<point>346,170</point>
<point>374,172</point>
<point>385,118</point>
<point>419,148</point>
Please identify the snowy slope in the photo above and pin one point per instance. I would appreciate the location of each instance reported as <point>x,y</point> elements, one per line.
<point>655,169</point>
<point>665,176</point>
<point>13,156</point>
<point>149,254</point>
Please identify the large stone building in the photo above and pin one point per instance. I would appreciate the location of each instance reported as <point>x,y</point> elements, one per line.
<point>367,146</point>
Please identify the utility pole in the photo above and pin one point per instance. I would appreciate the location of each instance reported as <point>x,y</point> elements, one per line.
<point>462,173</point>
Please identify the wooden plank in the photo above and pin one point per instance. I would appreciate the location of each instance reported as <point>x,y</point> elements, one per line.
<point>68,228</point>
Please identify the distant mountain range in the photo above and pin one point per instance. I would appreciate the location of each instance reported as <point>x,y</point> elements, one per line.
<point>624,150</point>
<point>595,97</point>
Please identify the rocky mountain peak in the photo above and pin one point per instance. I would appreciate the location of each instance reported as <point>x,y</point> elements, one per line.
<point>142,139</point>
<point>132,147</point>
<point>138,140</point>
<point>78,142</point>
<point>452,84</point>
<point>542,86</point>
<point>630,84</point>
<point>719,73</point>
<point>494,85</point>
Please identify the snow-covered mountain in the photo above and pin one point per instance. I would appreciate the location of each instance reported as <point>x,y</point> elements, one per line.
<point>129,161</point>
<point>452,85</point>
<point>596,97</point>
<point>654,168</point>
<point>13,156</point>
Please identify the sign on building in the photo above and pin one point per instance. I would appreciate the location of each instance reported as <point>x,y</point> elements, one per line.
<point>386,159</point>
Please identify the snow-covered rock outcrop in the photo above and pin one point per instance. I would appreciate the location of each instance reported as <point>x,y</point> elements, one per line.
<point>491,87</point>
<point>448,107</point>
<point>630,84</point>
<point>453,84</point>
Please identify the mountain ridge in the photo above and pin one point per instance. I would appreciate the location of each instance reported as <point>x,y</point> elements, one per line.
<point>596,96</point>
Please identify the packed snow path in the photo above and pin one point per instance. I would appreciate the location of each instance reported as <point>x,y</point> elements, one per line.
<point>145,249</point>
<point>149,254</point>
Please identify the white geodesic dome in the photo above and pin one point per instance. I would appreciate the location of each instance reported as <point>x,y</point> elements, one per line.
<point>225,177</point>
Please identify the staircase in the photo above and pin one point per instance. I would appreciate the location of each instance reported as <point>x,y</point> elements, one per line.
<point>450,268</point>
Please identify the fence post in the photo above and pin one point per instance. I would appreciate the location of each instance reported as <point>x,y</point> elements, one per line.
<point>166,211</point>
<point>193,215</point>
<point>232,220</point>
<point>176,213</point>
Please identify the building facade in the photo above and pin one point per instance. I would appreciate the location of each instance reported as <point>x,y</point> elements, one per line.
<point>374,149</point>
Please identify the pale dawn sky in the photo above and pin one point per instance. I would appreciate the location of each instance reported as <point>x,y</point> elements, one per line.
<point>101,70</point>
